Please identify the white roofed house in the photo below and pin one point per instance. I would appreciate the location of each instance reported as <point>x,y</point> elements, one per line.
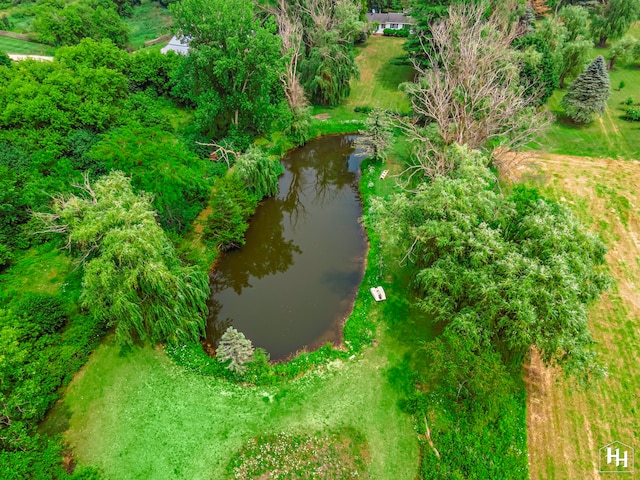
<point>394,21</point>
<point>179,45</point>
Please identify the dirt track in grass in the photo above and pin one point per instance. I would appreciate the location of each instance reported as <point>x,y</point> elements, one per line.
<point>567,426</point>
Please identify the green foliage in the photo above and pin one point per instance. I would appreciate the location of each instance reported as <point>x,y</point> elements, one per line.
<point>473,407</point>
<point>232,73</point>
<point>43,340</point>
<point>38,95</point>
<point>589,93</point>
<point>259,172</point>
<point>5,61</point>
<point>632,114</point>
<point>611,20</point>
<point>151,70</point>
<point>393,32</point>
<point>299,129</point>
<point>133,279</point>
<point>565,36</point>
<point>235,348</point>
<point>231,206</point>
<point>71,22</point>
<point>538,74</point>
<point>519,272</point>
<point>624,51</point>
<point>327,69</point>
<point>378,135</point>
<point>160,165</point>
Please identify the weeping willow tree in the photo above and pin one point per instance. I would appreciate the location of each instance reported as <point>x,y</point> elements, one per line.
<point>519,271</point>
<point>259,172</point>
<point>133,279</point>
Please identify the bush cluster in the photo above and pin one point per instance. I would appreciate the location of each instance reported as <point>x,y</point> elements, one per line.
<point>392,32</point>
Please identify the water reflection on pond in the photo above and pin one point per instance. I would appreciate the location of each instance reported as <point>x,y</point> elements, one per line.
<point>294,281</point>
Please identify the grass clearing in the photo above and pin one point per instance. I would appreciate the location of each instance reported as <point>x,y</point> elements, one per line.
<point>381,72</point>
<point>607,137</point>
<point>567,426</point>
<point>134,414</point>
<point>22,47</point>
<point>149,21</point>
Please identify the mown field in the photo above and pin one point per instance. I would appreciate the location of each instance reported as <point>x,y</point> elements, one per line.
<point>567,426</point>
<point>22,47</point>
<point>149,21</point>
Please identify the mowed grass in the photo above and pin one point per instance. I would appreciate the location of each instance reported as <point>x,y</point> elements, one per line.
<point>149,21</point>
<point>136,415</point>
<point>382,70</point>
<point>22,47</point>
<point>383,67</point>
<point>567,426</point>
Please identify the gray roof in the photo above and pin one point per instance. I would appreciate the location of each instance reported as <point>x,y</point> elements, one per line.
<point>178,45</point>
<point>389,18</point>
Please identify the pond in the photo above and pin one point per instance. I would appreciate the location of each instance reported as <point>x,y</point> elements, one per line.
<point>293,283</point>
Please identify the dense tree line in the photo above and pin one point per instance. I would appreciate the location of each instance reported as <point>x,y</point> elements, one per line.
<point>500,271</point>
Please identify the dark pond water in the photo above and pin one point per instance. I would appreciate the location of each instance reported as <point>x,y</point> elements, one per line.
<point>294,282</point>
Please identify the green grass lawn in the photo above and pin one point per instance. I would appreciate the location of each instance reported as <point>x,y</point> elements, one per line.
<point>607,137</point>
<point>381,72</point>
<point>22,47</point>
<point>148,21</point>
<point>136,415</point>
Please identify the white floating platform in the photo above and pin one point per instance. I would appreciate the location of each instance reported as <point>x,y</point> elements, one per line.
<point>378,294</point>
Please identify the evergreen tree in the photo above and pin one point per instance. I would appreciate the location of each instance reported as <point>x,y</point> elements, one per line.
<point>589,93</point>
<point>236,347</point>
<point>376,138</point>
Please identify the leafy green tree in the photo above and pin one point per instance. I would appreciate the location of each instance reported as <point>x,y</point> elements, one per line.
<point>589,93</point>
<point>378,135</point>
<point>566,38</point>
<point>231,206</point>
<point>232,73</point>
<point>538,74</point>
<point>97,19</point>
<point>612,19</point>
<point>624,51</point>
<point>259,172</point>
<point>520,271</point>
<point>41,95</point>
<point>236,348</point>
<point>159,165</point>
<point>575,20</point>
<point>133,279</point>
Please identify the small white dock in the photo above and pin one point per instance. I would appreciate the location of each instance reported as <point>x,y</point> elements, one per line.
<point>378,294</point>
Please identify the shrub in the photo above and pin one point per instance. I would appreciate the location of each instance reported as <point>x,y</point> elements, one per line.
<point>632,114</point>
<point>363,109</point>
<point>40,313</point>
<point>628,101</point>
<point>234,346</point>
<point>392,32</point>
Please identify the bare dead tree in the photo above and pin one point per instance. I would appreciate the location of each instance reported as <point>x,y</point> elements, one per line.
<point>471,91</point>
<point>291,33</point>
<point>221,152</point>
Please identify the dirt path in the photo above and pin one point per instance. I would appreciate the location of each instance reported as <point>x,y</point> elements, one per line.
<point>567,426</point>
